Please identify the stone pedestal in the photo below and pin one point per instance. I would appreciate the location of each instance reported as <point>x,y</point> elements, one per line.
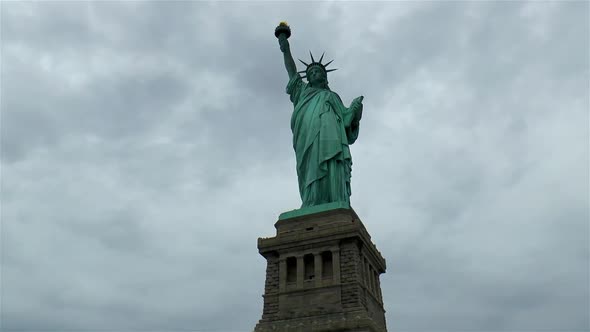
<point>322,275</point>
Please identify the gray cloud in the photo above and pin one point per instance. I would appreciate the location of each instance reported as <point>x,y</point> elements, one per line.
<point>146,145</point>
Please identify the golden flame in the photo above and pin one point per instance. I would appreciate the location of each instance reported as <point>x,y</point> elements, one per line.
<point>283,23</point>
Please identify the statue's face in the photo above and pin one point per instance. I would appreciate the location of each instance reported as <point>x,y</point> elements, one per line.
<point>316,76</point>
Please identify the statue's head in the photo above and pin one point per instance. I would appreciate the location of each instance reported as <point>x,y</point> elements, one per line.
<point>317,76</point>
<point>316,72</point>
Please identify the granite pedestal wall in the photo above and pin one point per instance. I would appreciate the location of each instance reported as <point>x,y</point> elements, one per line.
<point>322,275</point>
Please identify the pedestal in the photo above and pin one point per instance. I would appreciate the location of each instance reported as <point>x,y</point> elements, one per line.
<point>322,275</point>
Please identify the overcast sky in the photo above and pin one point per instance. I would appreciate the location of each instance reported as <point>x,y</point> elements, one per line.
<point>147,145</point>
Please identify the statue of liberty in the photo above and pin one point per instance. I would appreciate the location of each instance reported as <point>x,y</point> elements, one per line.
<point>323,128</point>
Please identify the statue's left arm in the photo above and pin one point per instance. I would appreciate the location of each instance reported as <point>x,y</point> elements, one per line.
<point>352,118</point>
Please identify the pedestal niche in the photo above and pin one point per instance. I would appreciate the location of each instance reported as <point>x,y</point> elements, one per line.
<point>322,275</point>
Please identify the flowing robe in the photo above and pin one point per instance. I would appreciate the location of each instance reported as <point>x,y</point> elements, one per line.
<point>322,130</point>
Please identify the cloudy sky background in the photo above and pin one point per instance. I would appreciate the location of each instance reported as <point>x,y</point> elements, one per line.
<point>146,146</point>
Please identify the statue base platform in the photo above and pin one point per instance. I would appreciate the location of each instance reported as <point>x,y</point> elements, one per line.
<point>314,209</point>
<point>322,274</point>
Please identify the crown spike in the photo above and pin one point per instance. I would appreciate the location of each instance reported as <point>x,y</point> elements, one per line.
<point>329,70</point>
<point>311,55</point>
<point>326,65</point>
<point>303,62</point>
<point>322,57</point>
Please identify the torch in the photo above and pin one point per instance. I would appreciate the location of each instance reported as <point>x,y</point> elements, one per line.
<point>281,29</point>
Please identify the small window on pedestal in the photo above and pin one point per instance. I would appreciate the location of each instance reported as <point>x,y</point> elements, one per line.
<point>308,262</point>
<point>291,270</point>
<point>327,265</point>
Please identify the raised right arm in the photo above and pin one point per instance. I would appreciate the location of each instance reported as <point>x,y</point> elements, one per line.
<point>289,62</point>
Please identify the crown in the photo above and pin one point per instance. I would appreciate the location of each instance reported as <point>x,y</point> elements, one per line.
<point>315,64</point>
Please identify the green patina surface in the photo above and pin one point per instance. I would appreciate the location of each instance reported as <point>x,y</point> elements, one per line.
<point>323,128</point>
<point>314,209</point>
